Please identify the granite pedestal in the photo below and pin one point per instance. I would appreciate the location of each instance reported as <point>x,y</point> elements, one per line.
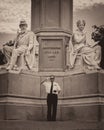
<point>23,98</point>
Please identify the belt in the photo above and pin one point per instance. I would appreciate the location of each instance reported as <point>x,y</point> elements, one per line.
<point>52,94</point>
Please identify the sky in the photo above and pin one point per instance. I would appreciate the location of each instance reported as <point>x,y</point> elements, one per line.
<point>12,11</point>
<point>82,4</point>
<point>91,11</point>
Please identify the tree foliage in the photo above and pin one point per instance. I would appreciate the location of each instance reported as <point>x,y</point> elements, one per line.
<point>98,36</point>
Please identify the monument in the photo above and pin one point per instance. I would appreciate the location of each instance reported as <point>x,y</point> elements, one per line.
<point>22,97</point>
<point>52,22</point>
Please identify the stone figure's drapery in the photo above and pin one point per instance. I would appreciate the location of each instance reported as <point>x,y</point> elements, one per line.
<point>90,55</point>
<point>30,58</point>
<point>76,43</point>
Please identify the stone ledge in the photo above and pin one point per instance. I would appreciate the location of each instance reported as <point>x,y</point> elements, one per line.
<point>65,73</point>
<point>68,102</point>
<point>77,100</point>
<point>44,125</point>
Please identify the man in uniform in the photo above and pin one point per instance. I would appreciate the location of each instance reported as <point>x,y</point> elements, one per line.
<point>23,44</point>
<point>52,90</point>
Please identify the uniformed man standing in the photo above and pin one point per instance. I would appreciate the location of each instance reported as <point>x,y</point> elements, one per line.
<point>52,90</point>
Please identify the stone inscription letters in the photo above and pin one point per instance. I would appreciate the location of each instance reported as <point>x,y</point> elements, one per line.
<point>51,51</point>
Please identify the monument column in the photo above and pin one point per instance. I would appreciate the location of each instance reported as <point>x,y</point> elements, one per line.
<point>52,22</point>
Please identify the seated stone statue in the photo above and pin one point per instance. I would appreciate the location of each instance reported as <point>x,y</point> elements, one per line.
<point>22,55</point>
<point>79,51</point>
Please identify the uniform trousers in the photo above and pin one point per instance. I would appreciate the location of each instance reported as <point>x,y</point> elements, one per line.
<point>52,100</point>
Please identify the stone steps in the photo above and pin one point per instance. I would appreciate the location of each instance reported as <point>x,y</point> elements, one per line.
<point>44,125</point>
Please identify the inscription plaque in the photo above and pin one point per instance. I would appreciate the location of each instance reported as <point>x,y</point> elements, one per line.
<point>51,55</point>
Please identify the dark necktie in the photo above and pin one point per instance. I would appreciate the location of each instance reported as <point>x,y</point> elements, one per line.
<point>51,88</point>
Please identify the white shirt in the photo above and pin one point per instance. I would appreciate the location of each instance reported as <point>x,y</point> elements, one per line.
<point>56,87</point>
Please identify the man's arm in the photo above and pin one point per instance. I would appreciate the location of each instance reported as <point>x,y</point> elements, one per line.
<point>47,79</point>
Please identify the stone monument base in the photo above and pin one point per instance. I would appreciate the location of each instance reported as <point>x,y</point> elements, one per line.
<point>43,125</point>
<point>23,98</point>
